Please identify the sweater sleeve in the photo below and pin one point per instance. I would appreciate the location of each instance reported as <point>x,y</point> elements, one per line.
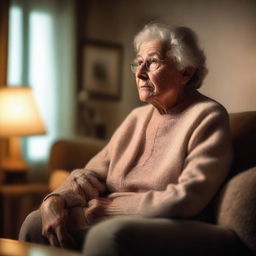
<point>82,185</point>
<point>207,162</point>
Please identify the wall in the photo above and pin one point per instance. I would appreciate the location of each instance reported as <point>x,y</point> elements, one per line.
<point>227,31</point>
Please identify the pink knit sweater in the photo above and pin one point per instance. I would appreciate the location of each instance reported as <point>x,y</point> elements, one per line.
<point>168,165</point>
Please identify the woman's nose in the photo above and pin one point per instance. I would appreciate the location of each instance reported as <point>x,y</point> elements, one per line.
<point>142,72</point>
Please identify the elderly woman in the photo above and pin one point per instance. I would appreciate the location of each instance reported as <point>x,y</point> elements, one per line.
<point>161,167</point>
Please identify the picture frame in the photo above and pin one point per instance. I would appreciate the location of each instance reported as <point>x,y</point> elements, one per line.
<point>101,69</point>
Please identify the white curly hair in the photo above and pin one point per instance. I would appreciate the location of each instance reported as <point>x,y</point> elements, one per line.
<point>182,45</point>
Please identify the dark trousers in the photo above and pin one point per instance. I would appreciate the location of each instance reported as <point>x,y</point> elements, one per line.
<point>145,236</point>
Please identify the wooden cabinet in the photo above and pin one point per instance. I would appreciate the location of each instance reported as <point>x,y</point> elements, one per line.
<point>16,202</point>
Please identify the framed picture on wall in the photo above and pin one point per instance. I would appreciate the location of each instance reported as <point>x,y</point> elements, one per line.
<point>101,69</point>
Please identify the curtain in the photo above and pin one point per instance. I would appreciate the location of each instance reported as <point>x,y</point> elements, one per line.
<point>42,55</point>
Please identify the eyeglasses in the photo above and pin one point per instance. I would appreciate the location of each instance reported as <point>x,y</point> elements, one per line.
<point>151,64</point>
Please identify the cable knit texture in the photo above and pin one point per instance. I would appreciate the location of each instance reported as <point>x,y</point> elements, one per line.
<point>158,165</point>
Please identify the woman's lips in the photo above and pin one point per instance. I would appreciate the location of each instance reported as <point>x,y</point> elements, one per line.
<point>146,86</point>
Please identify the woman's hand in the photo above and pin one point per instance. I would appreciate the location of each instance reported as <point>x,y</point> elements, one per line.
<point>96,209</point>
<point>54,219</point>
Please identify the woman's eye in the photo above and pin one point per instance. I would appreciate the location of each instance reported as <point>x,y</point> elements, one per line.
<point>154,60</point>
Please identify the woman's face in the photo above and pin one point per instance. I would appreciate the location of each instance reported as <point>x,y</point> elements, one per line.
<point>164,86</point>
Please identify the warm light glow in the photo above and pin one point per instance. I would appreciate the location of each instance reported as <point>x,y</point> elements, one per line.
<point>19,115</point>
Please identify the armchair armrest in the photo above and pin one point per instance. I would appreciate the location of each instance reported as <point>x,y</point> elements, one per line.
<point>69,154</point>
<point>236,208</point>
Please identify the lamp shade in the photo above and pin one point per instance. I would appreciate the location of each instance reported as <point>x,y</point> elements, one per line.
<point>19,115</point>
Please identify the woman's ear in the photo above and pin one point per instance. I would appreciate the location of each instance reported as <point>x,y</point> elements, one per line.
<point>188,73</point>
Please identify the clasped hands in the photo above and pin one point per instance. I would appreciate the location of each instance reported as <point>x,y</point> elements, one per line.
<point>55,214</point>
<point>55,218</point>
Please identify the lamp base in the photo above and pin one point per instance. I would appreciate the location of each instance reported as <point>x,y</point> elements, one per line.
<point>14,164</point>
<point>14,171</point>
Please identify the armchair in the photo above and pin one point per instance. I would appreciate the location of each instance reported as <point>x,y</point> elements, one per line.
<point>233,207</point>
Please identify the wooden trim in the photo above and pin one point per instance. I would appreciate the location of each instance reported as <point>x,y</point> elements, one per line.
<point>4,17</point>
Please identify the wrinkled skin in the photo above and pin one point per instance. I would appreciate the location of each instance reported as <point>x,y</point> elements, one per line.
<point>54,219</point>
<point>164,87</point>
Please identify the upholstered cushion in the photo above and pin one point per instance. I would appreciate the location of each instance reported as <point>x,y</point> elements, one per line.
<point>236,208</point>
<point>56,177</point>
<point>243,130</point>
<point>72,154</point>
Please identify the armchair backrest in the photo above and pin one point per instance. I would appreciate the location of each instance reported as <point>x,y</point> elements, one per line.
<point>235,206</point>
<point>70,154</point>
<point>243,130</point>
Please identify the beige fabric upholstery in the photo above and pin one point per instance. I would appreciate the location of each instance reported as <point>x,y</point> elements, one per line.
<point>56,177</point>
<point>243,129</point>
<point>73,154</point>
<point>236,202</point>
<point>237,207</point>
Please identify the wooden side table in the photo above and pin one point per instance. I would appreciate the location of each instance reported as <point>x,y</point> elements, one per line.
<point>16,202</point>
<point>17,248</point>
<point>14,176</point>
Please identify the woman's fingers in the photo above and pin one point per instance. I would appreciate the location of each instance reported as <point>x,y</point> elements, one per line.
<point>96,183</point>
<point>90,184</point>
<point>53,239</point>
<point>58,235</point>
<point>96,207</point>
<point>54,219</point>
<point>89,190</point>
<point>65,240</point>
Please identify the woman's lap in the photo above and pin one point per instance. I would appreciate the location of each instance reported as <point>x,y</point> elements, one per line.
<point>151,236</point>
<point>158,236</point>
<point>31,229</point>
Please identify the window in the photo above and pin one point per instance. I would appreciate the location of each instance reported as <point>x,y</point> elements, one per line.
<point>36,42</point>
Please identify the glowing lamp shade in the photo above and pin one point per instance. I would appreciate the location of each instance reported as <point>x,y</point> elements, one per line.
<point>19,116</point>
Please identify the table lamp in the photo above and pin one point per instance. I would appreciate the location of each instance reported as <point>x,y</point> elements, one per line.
<point>19,116</point>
